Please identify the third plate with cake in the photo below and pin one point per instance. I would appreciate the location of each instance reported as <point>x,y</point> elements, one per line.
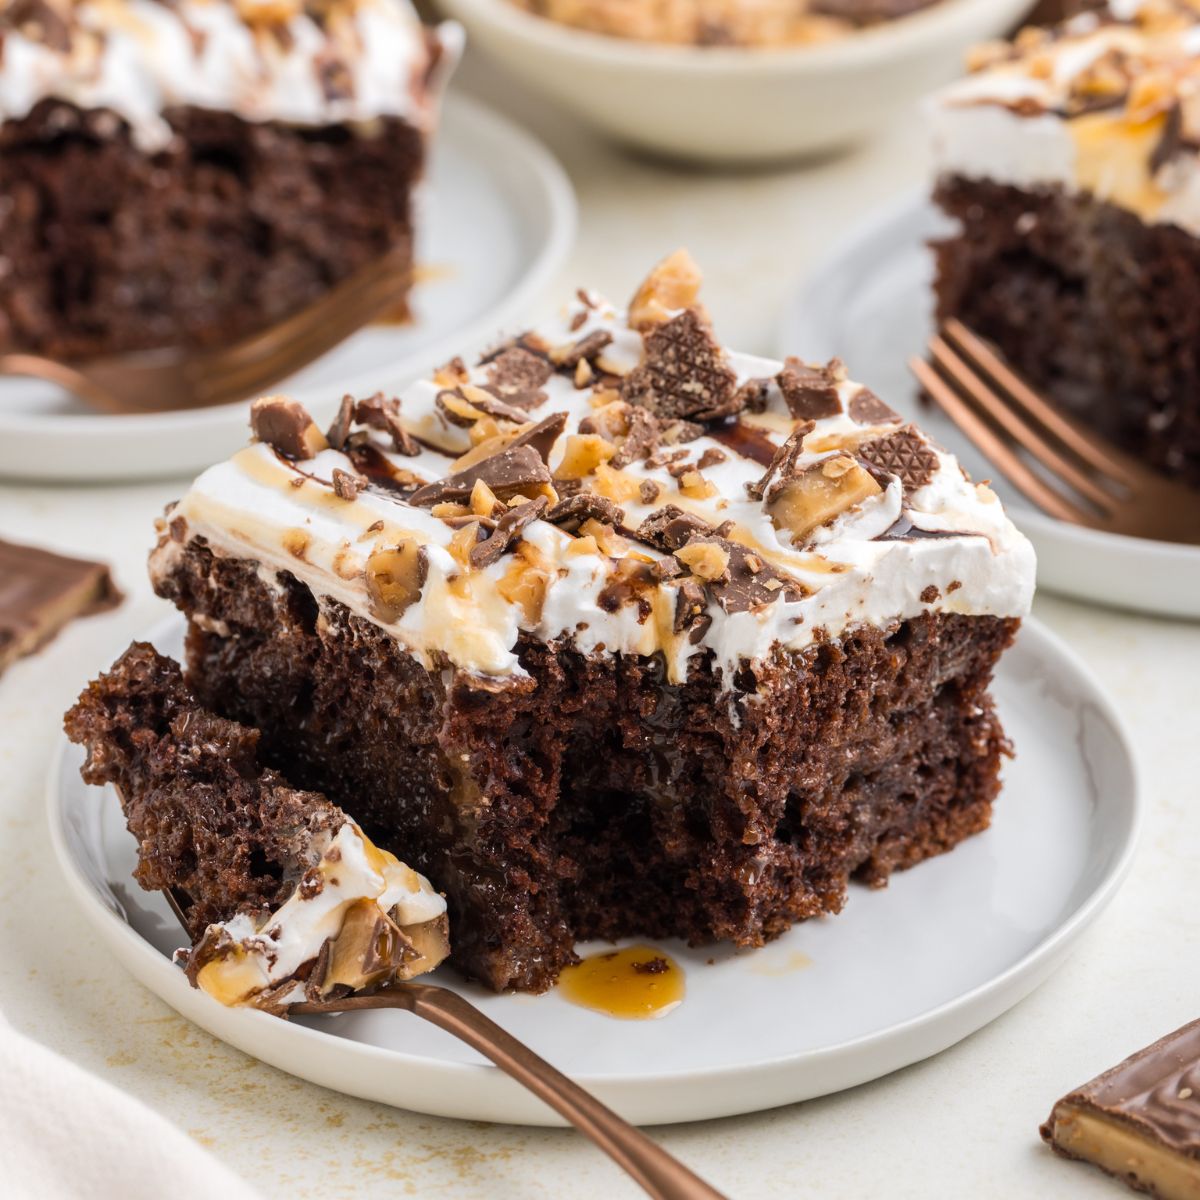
<point>871,302</point>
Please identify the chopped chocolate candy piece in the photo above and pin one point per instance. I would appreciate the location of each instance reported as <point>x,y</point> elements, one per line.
<point>641,438</point>
<point>512,472</point>
<point>867,409</point>
<point>754,395</point>
<point>542,436</point>
<point>516,377</point>
<point>339,429</point>
<point>40,592</point>
<point>674,283</point>
<point>783,462</point>
<point>690,602</point>
<point>904,454</point>
<point>395,576</point>
<point>464,405</point>
<point>1140,1120</point>
<point>748,582</point>
<point>710,458</point>
<point>508,529</point>
<point>810,392</point>
<point>284,424</point>
<point>818,493</point>
<point>383,412</point>
<point>683,374</point>
<point>678,433</point>
<point>649,491</point>
<point>347,486</point>
<point>569,514</point>
<point>670,527</point>
<point>587,349</point>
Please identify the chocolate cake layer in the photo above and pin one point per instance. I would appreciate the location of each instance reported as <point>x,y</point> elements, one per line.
<point>591,797</point>
<point>226,229</point>
<point>1096,308</point>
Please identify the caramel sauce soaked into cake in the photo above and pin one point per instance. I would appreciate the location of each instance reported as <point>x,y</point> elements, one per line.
<point>638,983</point>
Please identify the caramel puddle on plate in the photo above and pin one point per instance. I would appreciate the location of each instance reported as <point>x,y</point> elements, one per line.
<point>638,983</point>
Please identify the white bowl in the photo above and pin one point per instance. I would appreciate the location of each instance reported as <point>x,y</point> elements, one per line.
<point>737,104</point>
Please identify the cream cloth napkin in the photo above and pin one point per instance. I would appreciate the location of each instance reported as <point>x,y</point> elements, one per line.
<point>67,1134</point>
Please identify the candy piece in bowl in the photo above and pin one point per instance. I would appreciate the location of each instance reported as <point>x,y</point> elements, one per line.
<point>750,84</point>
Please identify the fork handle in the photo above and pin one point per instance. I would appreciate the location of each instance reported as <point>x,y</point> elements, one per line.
<point>657,1172</point>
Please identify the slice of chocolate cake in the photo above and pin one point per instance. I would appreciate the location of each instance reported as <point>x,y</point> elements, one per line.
<point>184,172</point>
<point>612,631</point>
<point>285,897</point>
<point>1069,164</point>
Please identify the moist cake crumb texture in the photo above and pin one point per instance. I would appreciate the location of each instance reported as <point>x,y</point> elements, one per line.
<point>285,898</point>
<point>611,631</point>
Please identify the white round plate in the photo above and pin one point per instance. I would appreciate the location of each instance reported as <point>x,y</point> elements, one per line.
<point>899,975</point>
<point>870,302</point>
<point>494,228</point>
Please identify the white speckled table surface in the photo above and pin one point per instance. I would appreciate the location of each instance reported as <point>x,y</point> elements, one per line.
<point>963,1123</point>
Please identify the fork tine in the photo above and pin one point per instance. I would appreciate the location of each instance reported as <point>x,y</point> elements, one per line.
<point>1072,436</point>
<point>1015,425</point>
<point>995,449</point>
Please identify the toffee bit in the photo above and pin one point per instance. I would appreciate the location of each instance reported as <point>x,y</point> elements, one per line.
<point>339,429</point>
<point>347,486</point>
<point>649,491</point>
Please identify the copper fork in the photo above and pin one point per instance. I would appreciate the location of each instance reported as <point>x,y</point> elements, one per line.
<point>658,1173</point>
<point>173,378</point>
<point>1084,479</point>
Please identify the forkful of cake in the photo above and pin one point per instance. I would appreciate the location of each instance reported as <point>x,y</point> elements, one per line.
<point>289,906</point>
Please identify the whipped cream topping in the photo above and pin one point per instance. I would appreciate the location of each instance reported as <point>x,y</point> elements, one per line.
<point>351,61</point>
<point>245,958</point>
<point>843,544</point>
<point>1106,104</point>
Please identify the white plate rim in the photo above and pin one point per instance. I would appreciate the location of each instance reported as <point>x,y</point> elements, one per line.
<point>561,224</point>
<point>1008,987</point>
<point>875,226</point>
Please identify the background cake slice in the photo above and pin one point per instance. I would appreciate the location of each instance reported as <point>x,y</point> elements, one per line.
<point>613,631</point>
<point>1068,163</point>
<point>284,895</point>
<point>188,172</point>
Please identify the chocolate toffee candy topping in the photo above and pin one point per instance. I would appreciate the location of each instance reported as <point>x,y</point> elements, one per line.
<point>516,377</point>
<point>904,454</point>
<point>508,529</point>
<point>339,429</point>
<point>670,527</point>
<point>395,577</point>
<point>684,373</point>
<point>570,513</point>
<point>40,592</point>
<point>587,349</point>
<point>512,472</point>
<point>811,392</point>
<point>783,463</point>
<point>285,425</point>
<point>542,436</point>
<point>867,409</point>
<point>347,486</point>
<point>464,405</point>
<point>1140,1121</point>
<point>748,582</point>
<point>383,412</point>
